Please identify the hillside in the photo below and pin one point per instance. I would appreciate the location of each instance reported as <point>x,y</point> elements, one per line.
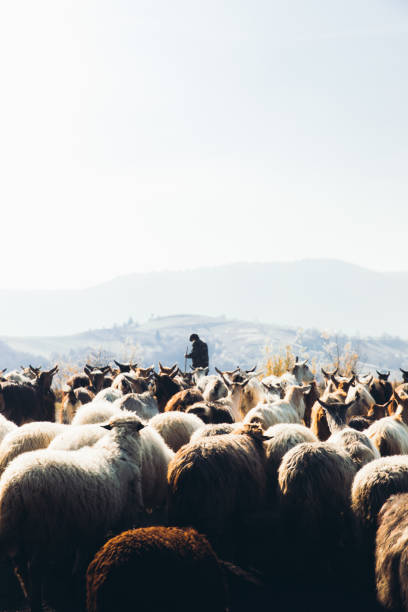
<point>323,294</point>
<point>230,341</point>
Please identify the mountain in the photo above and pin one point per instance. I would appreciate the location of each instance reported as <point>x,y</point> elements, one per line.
<point>310,293</point>
<point>231,343</point>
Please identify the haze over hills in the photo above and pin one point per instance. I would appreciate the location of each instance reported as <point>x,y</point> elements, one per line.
<point>309,293</point>
<point>231,343</point>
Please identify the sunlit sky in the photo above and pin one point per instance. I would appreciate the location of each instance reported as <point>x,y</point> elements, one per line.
<point>137,136</point>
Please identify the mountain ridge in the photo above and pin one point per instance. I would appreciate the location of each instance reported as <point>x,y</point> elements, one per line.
<point>321,293</point>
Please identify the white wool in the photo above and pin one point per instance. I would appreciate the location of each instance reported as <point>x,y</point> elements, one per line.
<point>107,395</point>
<point>6,427</point>
<point>78,436</point>
<point>95,412</point>
<point>53,499</point>
<point>143,404</point>
<point>176,428</point>
<point>28,437</point>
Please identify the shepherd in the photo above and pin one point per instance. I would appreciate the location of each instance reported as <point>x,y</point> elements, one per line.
<point>199,352</point>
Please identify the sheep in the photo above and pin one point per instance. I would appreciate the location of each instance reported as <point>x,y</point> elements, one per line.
<point>216,481</point>
<point>108,395</point>
<point>374,483</point>
<point>290,409</point>
<point>234,400</point>
<point>95,412</point>
<point>359,447</point>
<point>376,412</point>
<point>77,436</point>
<point>356,444</point>
<point>77,380</point>
<point>156,456</point>
<point>183,399</point>
<point>164,388</point>
<point>380,388</point>
<point>6,427</point>
<point>318,421</point>
<point>172,371</point>
<point>71,401</point>
<point>176,428</point>
<point>211,412</point>
<point>54,503</point>
<point>213,430</point>
<point>360,423</point>
<point>130,383</point>
<point>391,563</point>
<point>254,394</point>
<point>213,388</point>
<point>17,377</point>
<point>143,404</point>
<point>28,437</point>
<point>314,486</point>
<point>123,574</point>
<point>310,399</point>
<point>372,486</point>
<point>297,375</point>
<point>390,434</point>
<point>96,377</point>
<point>280,439</point>
<point>22,403</point>
<point>364,402</point>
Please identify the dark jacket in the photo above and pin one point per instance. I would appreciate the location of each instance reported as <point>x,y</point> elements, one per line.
<point>199,354</point>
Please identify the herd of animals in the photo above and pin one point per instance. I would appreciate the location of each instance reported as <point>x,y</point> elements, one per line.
<point>137,489</point>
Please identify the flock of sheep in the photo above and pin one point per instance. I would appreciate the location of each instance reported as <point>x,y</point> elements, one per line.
<point>142,490</point>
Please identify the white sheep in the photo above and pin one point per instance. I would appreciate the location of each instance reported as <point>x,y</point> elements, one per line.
<point>54,503</point>
<point>6,427</point>
<point>213,429</point>
<point>176,428</point>
<point>143,404</point>
<point>108,395</point>
<point>95,412</point>
<point>28,437</point>
<point>390,434</point>
<point>156,456</point>
<point>18,377</point>
<point>281,438</point>
<point>77,436</point>
<point>290,409</point>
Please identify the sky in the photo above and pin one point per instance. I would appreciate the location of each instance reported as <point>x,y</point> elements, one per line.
<point>140,136</point>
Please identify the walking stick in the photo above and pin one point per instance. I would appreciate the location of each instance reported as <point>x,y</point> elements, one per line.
<point>185,360</point>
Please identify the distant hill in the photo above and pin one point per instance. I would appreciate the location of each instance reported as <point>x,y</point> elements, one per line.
<point>231,343</point>
<point>310,293</point>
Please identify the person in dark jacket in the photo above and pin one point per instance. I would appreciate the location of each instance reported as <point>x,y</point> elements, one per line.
<point>199,352</point>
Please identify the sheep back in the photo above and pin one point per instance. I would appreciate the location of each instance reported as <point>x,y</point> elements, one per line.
<point>123,575</point>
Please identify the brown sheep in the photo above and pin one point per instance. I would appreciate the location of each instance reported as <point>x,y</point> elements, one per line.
<point>164,388</point>
<point>319,536</point>
<point>183,399</point>
<point>211,412</point>
<point>391,553</point>
<point>217,481</point>
<point>71,402</point>
<point>318,424</point>
<point>390,434</point>
<point>156,568</point>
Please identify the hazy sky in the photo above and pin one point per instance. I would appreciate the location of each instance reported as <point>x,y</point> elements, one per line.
<point>144,135</point>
